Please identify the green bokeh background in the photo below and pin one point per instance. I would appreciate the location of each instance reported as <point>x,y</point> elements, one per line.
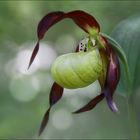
<point>24,94</point>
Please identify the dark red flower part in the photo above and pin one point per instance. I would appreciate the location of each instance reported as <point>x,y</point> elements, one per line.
<point>82,19</point>
<point>91,104</point>
<point>112,79</point>
<point>55,95</point>
<point>48,21</point>
<point>44,121</point>
<point>34,53</point>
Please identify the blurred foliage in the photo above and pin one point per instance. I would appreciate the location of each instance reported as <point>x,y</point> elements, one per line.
<point>21,118</point>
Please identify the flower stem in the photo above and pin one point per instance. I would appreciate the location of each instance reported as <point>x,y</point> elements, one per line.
<point>132,118</point>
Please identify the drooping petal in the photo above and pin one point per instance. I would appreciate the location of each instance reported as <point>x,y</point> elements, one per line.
<point>45,23</point>
<point>81,18</point>
<point>55,95</point>
<point>48,21</point>
<point>113,74</point>
<point>90,105</point>
<point>34,53</point>
<point>109,84</point>
<point>110,101</point>
<point>84,20</point>
<point>112,79</point>
<point>120,52</point>
<point>44,121</point>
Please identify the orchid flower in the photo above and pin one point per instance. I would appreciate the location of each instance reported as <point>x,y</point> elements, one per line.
<point>96,49</point>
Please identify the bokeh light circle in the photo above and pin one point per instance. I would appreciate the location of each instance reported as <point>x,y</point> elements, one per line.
<point>24,89</point>
<point>62,119</point>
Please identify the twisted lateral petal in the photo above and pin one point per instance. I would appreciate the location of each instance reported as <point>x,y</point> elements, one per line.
<point>82,19</point>
<point>112,79</point>
<point>55,95</point>
<point>90,105</point>
<point>44,121</point>
<point>34,53</point>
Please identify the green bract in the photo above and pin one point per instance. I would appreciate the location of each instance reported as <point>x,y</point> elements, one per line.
<point>77,70</point>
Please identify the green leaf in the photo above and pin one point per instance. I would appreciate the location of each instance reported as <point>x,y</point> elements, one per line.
<point>127,34</point>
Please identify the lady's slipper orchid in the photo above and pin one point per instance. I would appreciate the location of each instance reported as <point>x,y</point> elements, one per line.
<point>94,59</point>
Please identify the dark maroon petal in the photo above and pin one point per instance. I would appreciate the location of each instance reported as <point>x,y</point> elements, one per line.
<point>34,53</point>
<point>84,20</point>
<point>55,95</point>
<point>81,18</point>
<point>47,21</point>
<point>90,105</point>
<point>113,73</point>
<point>110,101</point>
<point>112,79</point>
<point>44,121</point>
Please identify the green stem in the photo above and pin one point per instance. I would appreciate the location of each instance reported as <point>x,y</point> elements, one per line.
<point>132,118</point>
